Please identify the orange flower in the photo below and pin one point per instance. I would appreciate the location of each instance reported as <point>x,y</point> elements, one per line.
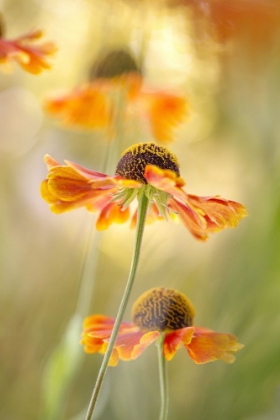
<point>31,58</point>
<point>96,105</point>
<point>144,168</point>
<point>159,311</point>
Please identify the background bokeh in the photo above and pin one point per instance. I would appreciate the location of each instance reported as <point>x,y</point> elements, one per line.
<point>225,60</point>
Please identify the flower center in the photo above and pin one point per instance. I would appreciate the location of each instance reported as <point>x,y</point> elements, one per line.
<point>162,309</point>
<point>135,159</point>
<point>114,63</point>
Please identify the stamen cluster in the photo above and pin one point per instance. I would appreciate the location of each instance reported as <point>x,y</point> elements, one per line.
<point>132,165</point>
<point>162,310</point>
<point>135,159</point>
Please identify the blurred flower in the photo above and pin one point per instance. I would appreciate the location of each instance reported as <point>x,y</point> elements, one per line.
<point>118,85</point>
<point>144,168</point>
<point>255,21</point>
<point>159,311</point>
<point>30,57</point>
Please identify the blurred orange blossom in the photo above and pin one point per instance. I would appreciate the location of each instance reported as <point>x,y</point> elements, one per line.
<point>95,105</point>
<point>31,57</point>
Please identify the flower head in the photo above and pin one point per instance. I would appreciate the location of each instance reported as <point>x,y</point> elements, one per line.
<point>117,88</point>
<point>157,312</point>
<point>144,168</point>
<point>31,57</point>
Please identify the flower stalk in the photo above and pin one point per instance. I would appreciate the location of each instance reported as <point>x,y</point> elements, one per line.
<point>141,217</point>
<point>163,379</point>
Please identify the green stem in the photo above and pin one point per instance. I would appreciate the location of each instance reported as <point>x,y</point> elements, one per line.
<point>163,381</point>
<point>142,211</point>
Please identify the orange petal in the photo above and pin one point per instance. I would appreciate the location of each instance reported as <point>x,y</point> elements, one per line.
<point>97,320</point>
<point>86,107</point>
<point>92,325</point>
<point>45,193</point>
<point>112,213</point>
<point>50,162</point>
<point>208,346</point>
<point>88,173</point>
<point>174,339</point>
<point>152,216</point>
<point>221,212</point>
<point>166,180</point>
<point>201,215</point>
<point>192,221</point>
<point>126,343</point>
<point>133,83</point>
<point>73,186</point>
<point>31,57</point>
<point>97,332</point>
<point>131,345</point>
<point>91,344</point>
<point>166,112</point>
<point>114,359</point>
<point>133,220</point>
<point>144,342</point>
<point>92,202</point>
<point>204,215</point>
<point>66,184</point>
<point>127,183</point>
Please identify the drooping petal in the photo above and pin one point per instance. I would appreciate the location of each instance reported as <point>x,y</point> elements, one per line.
<point>31,57</point>
<point>95,324</point>
<point>174,339</point>
<point>221,212</point>
<point>51,162</point>
<point>204,215</point>
<point>98,321</point>
<point>85,172</point>
<point>66,184</point>
<point>146,340</point>
<point>97,332</point>
<point>92,201</point>
<point>72,186</point>
<point>130,345</point>
<point>165,112</point>
<point>86,107</point>
<point>45,193</point>
<point>100,180</point>
<point>201,215</point>
<point>165,180</point>
<point>153,215</point>
<point>192,221</point>
<point>114,359</point>
<point>208,346</point>
<point>112,213</point>
<point>92,344</point>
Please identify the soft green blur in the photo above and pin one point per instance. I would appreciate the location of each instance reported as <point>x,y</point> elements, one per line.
<point>230,146</point>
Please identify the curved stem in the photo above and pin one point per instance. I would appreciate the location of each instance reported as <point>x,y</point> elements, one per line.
<point>163,381</point>
<point>142,211</point>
